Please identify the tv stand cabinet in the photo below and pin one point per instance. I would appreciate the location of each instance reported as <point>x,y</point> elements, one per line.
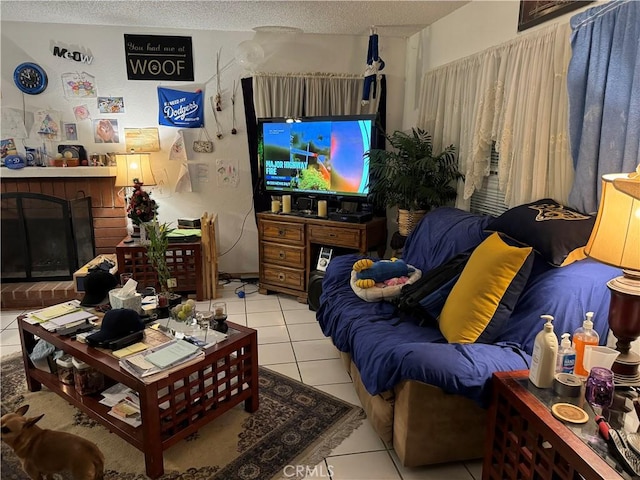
<point>289,247</point>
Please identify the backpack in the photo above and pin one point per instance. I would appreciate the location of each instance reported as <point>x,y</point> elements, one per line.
<point>427,296</point>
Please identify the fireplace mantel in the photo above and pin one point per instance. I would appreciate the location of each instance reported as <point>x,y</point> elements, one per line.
<point>58,172</point>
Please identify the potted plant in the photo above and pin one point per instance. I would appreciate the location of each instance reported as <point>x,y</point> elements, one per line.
<point>158,242</point>
<point>411,177</point>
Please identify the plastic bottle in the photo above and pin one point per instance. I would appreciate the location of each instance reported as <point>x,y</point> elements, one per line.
<point>545,351</point>
<point>583,336</point>
<point>566,356</point>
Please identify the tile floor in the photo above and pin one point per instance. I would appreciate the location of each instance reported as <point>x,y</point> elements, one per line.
<point>290,342</point>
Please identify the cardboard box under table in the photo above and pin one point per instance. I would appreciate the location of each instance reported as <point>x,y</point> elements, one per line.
<point>78,276</point>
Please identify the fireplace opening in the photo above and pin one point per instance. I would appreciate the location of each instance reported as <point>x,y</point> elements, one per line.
<point>45,238</point>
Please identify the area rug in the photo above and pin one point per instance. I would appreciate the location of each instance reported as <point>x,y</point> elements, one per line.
<point>295,427</point>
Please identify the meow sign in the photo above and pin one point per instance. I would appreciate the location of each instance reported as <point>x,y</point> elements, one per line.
<point>157,57</point>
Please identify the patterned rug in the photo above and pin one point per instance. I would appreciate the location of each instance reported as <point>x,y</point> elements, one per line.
<point>296,425</point>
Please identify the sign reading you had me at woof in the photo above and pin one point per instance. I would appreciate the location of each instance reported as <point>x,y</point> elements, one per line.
<point>155,57</point>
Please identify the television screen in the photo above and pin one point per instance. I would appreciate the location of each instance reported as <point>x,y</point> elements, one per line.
<point>316,156</point>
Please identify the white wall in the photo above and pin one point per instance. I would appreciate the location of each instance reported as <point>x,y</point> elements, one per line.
<point>23,42</point>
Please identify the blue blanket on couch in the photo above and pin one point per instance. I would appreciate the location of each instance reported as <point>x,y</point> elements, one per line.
<point>388,348</point>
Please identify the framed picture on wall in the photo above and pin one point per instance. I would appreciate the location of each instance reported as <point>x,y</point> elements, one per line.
<point>533,12</point>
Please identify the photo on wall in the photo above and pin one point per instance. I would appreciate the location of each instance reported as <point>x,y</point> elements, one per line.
<point>111,104</point>
<point>70,131</point>
<point>105,130</point>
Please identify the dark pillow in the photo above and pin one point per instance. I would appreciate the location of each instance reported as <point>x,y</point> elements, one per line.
<point>553,230</point>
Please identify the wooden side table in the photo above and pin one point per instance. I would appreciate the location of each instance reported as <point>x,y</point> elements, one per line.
<point>183,259</point>
<point>525,441</point>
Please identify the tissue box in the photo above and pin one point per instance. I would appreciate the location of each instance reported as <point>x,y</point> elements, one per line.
<point>133,302</point>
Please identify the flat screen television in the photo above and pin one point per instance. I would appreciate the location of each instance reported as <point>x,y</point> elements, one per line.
<point>316,156</point>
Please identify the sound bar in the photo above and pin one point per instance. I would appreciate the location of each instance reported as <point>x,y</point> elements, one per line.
<point>351,217</point>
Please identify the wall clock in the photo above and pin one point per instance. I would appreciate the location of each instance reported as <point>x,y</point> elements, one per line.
<point>30,78</point>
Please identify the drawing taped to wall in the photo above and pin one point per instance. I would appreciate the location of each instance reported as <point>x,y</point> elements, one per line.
<point>81,112</point>
<point>227,172</point>
<point>79,85</point>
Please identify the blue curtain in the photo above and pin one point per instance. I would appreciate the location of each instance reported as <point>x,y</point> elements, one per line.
<point>603,82</point>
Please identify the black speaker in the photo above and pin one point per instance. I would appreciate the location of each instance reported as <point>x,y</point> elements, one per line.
<point>314,289</point>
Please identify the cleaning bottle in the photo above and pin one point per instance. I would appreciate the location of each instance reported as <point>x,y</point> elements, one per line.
<point>545,351</point>
<point>566,356</point>
<point>583,336</point>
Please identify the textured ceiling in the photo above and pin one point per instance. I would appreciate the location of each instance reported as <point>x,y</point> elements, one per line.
<point>392,18</point>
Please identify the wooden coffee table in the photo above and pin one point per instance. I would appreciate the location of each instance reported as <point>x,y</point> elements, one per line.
<point>191,396</point>
<point>524,440</point>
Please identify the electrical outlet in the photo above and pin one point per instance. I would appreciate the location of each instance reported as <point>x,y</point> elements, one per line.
<point>172,283</point>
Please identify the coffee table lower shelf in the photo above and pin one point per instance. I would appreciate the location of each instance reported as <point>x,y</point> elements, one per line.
<point>172,407</point>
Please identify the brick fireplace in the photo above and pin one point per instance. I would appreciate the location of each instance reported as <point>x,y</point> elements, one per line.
<point>109,225</point>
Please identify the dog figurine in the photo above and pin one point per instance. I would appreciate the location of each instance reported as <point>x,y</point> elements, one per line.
<point>45,452</point>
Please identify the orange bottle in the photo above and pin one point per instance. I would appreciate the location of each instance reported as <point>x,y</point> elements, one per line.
<point>583,336</point>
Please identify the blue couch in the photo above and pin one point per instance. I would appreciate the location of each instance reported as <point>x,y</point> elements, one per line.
<point>428,396</point>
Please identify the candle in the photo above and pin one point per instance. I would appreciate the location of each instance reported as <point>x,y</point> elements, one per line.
<point>322,208</point>
<point>275,206</point>
<point>286,204</point>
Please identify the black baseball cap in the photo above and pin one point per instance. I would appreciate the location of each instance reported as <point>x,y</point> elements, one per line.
<point>116,324</point>
<point>96,288</point>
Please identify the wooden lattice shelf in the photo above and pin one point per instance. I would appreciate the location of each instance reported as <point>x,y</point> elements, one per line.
<point>183,259</point>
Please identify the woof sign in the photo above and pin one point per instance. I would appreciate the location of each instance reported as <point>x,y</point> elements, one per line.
<point>156,57</point>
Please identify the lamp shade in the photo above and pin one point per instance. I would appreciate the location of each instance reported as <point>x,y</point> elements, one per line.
<point>133,165</point>
<point>615,238</point>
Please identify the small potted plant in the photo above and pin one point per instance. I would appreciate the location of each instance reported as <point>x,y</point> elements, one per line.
<point>158,242</point>
<point>411,177</point>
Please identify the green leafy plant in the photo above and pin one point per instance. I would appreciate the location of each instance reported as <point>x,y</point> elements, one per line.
<point>409,175</point>
<point>158,242</point>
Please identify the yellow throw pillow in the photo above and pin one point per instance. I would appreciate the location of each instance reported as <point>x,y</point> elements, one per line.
<point>486,293</point>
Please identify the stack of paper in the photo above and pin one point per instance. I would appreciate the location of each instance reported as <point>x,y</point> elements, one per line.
<point>160,359</point>
<point>124,404</point>
<point>172,353</point>
<point>55,311</point>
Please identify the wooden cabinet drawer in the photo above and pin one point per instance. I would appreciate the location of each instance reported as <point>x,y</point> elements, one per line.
<point>339,237</point>
<point>284,276</point>
<point>292,233</point>
<point>286,255</point>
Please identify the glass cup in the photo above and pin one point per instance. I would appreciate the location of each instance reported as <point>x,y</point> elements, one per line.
<point>600,388</point>
<point>125,277</point>
<point>220,317</point>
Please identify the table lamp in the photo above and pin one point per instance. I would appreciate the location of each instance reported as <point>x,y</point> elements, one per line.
<point>133,165</point>
<point>615,240</point>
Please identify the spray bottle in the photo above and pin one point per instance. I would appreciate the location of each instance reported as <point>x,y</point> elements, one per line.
<point>543,360</point>
<point>583,336</point>
<point>566,356</point>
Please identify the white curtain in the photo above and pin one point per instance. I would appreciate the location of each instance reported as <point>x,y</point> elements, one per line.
<point>318,94</point>
<point>513,94</point>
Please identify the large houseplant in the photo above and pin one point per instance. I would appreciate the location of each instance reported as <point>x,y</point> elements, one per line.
<point>410,176</point>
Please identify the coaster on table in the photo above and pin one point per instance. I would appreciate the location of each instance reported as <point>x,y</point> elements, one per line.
<point>569,413</point>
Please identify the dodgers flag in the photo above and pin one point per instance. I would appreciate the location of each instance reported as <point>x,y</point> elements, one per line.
<point>180,109</point>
